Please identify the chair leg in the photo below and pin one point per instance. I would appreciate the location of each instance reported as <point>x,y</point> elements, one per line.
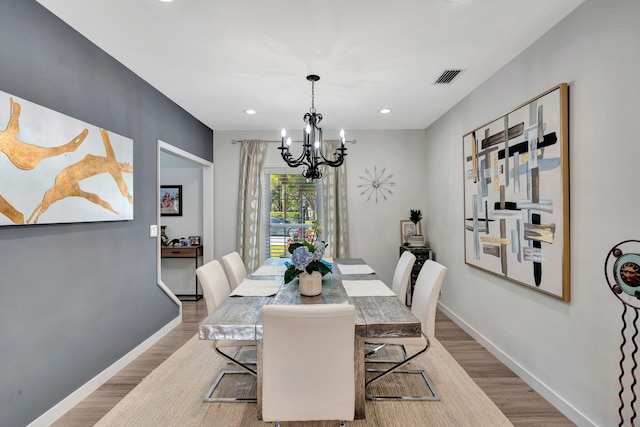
<point>208,397</point>
<point>434,393</point>
<point>396,369</point>
<point>245,370</point>
<point>239,364</point>
<point>246,362</point>
<point>380,347</point>
<point>375,350</point>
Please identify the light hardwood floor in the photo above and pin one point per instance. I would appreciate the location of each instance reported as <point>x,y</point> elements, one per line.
<point>522,405</point>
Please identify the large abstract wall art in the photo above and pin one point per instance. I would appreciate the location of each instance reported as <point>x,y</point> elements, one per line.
<point>57,169</point>
<point>516,195</point>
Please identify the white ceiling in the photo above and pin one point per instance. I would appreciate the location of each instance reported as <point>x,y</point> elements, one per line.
<point>217,58</point>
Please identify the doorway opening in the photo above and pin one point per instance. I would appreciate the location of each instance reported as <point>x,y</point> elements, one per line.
<point>196,219</point>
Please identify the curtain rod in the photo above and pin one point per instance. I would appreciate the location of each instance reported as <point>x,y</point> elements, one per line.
<point>235,141</point>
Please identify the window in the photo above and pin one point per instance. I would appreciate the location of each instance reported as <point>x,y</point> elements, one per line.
<point>292,204</point>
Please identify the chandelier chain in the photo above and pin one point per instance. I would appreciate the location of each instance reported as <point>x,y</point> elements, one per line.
<point>313,98</point>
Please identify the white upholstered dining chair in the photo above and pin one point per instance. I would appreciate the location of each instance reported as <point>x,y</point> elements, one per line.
<point>215,288</point>
<point>308,362</point>
<point>402,275</point>
<point>213,281</point>
<point>424,305</point>
<point>236,270</point>
<point>399,285</point>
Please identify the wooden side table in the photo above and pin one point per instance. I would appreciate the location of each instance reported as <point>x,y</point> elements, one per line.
<point>193,252</point>
<point>422,253</point>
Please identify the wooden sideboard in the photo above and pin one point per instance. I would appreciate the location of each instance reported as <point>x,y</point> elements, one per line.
<point>422,254</point>
<point>192,252</point>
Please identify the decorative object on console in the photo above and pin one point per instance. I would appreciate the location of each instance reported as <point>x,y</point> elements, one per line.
<point>312,147</point>
<point>171,200</point>
<point>306,259</point>
<point>407,229</point>
<point>415,216</point>
<point>164,239</point>
<point>417,239</point>
<point>622,271</point>
<point>516,195</point>
<point>194,240</point>
<point>376,183</point>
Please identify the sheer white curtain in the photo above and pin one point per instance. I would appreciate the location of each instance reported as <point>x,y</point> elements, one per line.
<point>252,155</point>
<point>334,205</point>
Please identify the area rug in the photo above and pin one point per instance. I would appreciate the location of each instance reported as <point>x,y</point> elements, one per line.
<point>172,396</point>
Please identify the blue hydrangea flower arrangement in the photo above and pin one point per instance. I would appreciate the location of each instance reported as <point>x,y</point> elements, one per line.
<point>306,256</point>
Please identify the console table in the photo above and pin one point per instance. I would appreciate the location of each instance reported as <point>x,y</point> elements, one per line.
<point>193,252</point>
<point>422,254</point>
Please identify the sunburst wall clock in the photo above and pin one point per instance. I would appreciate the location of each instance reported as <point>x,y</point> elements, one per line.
<point>376,184</point>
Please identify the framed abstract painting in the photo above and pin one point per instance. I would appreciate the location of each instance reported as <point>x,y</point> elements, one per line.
<point>516,195</point>
<point>56,169</point>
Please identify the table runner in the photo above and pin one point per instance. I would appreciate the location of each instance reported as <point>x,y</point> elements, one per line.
<point>367,288</point>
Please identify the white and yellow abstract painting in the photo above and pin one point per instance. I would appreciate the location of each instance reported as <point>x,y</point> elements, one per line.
<point>57,169</point>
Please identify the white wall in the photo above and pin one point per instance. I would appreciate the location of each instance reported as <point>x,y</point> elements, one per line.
<point>374,228</point>
<point>568,351</point>
<point>179,273</point>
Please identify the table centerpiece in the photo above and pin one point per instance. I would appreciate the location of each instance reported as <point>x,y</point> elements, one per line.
<point>308,266</point>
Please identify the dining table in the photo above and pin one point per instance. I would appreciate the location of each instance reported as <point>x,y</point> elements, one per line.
<point>379,312</point>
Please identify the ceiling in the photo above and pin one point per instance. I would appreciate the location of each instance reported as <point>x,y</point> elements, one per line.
<point>217,59</point>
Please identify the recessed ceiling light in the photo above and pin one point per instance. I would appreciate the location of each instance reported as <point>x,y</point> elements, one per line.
<point>250,112</point>
<point>385,111</point>
<point>166,1</point>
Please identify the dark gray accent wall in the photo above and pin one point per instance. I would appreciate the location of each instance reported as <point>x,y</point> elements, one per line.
<point>75,298</point>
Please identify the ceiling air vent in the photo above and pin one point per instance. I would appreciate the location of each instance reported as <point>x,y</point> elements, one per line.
<point>447,77</point>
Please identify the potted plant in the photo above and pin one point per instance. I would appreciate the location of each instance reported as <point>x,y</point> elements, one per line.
<point>415,216</point>
<point>308,266</point>
<point>417,239</point>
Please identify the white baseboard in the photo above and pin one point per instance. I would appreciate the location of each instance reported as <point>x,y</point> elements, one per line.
<point>562,405</point>
<point>92,385</point>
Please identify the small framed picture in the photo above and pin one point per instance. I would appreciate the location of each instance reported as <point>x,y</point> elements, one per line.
<point>171,200</point>
<point>408,229</point>
<point>194,240</point>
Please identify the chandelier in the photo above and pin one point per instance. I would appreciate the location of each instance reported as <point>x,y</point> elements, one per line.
<point>312,156</point>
